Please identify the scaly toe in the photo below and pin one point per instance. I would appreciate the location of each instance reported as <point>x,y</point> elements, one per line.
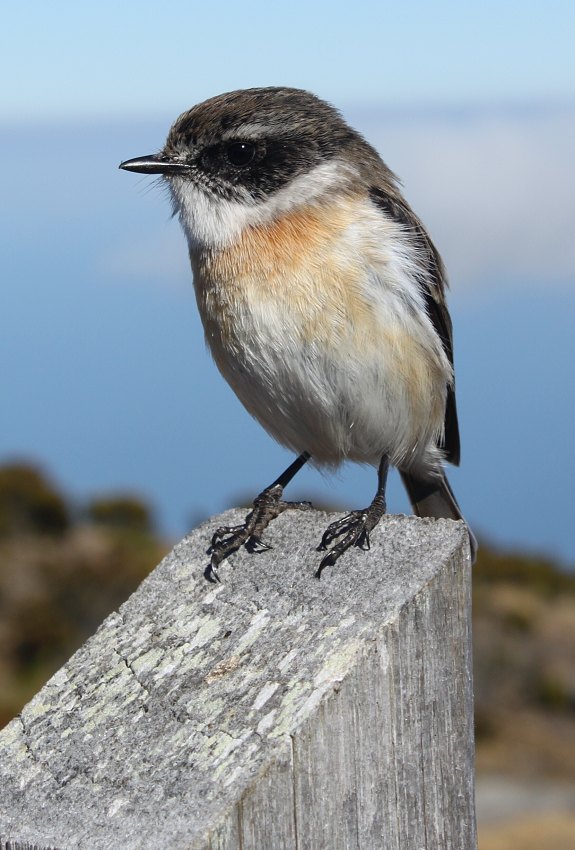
<point>353,530</point>
<point>339,528</point>
<point>224,531</point>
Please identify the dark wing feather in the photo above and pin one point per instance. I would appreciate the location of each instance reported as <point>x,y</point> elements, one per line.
<point>433,283</point>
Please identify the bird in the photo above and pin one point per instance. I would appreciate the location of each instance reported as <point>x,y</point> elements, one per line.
<point>322,298</point>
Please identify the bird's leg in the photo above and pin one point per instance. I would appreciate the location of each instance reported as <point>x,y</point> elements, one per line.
<point>267,506</point>
<point>355,527</point>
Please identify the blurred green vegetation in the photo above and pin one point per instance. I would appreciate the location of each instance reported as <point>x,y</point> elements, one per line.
<point>524,664</point>
<point>537,573</point>
<point>65,567</point>
<point>121,512</point>
<point>29,503</point>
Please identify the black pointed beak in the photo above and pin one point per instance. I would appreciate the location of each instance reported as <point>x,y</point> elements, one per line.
<point>153,164</point>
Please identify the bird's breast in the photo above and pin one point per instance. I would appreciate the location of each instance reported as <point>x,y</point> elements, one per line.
<point>306,270</point>
<point>312,317</point>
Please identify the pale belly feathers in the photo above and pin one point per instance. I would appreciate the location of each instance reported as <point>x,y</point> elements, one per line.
<point>317,323</point>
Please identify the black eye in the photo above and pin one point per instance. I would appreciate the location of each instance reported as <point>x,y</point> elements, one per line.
<point>240,153</point>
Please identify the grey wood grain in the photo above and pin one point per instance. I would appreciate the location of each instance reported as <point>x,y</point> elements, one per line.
<point>272,711</point>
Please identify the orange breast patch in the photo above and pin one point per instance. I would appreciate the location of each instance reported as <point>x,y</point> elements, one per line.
<point>304,264</point>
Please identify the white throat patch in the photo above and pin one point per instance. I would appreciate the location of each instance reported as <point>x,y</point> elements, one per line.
<point>213,222</point>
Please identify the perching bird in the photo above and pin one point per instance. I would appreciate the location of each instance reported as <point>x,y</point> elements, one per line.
<point>322,299</point>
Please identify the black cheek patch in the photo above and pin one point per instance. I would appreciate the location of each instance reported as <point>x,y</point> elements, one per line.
<point>276,163</point>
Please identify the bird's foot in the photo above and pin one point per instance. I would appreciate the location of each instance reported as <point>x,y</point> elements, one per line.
<point>229,538</point>
<point>353,529</point>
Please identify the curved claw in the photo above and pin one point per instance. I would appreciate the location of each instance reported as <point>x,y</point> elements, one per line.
<point>256,544</point>
<point>211,574</point>
<point>328,561</point>
<point>362,541</point>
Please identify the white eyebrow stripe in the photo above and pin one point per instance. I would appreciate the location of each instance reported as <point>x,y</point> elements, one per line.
<point>253,130</point>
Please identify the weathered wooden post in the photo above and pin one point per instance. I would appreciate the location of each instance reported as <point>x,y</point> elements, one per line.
<point>271,712</point>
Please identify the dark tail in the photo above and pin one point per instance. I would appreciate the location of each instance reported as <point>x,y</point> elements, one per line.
<point>434,497</point>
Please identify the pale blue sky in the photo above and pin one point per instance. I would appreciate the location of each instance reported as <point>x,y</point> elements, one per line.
<point>66,58</point>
